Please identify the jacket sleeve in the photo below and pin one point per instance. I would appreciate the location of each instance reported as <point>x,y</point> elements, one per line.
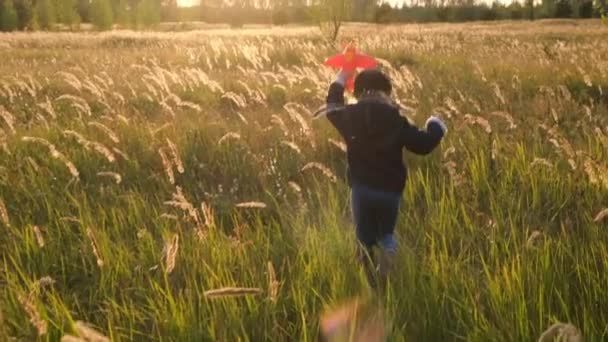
<point>335,107</point>
<point>421,141</point>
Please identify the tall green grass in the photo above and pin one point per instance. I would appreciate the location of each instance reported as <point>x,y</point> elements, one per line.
<point>466,270</point>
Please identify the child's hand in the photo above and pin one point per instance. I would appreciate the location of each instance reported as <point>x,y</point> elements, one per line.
<point>343,76</point>
<point>437,121</point>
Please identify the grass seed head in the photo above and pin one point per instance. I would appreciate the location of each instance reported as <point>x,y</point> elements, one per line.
<point>4,214</point>
<point>251,205</point>
<point>168,167</point>
<point>177,161</point>
<point>27,302</point>
<point>95,247</point>
<point>232,292</point>
<point>171,249</point>
<point>39,237</point>
<point>534,239</point>
<point>561,332</point>
<point>85,331</point>
<point>321,167</point>
<point>601,215</point>
<point>273,284</point>
<point>115,176</point>
<point>229,136</point>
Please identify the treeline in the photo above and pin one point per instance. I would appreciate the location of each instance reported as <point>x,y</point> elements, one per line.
<point>31,15</point>
<point>139,14</point>
<point>418,11</point>
<point>496,11</point>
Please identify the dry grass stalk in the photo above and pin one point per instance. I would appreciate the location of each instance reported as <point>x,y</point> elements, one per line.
<point>162,127</point>
<point>208,215</point>
<point>232,292</point>
<point>237,99</point>
<point>106,130</point>
<point>451,167</point>
<point>86,334</point>
<point>273,284</point>
<point>189,105</point>
<point>294,186</point>
<point>85,331</point>
<point>89,144</point>
<point>292,145</point>
<point>55,154</point>
<point>39,237</point>
<point>449,151</point>
<point>242,118</point>
<point>168,216</point>
<point>253,205</point>
<point>534,239</point>
<point>77,103</point>
<point>276,120</point>
<point>95,246</point>
<point>8,118</point>
<point>84,142</point>
<point>227,136</point>
<point>561,332</point>
<point>297,117</point>
<point>177,161</point>
<point>541,161</point>
<point>340,145</point>
<point>39,285</point>
<point>167,108</point>
<point>590,169</point>
<point>33,163</point>
<point>71,80</point>
<point>451,105</point>
<point>507,117</point>
<point>117,177</point>
<point>601,215</point>
<point>485,124</point>
<point>4,214</point>
<point>179,201</point>
<point>324,169</point>
<point>35,318</point>
<point>167,165</point>
<point>494,149</point>
<point>171,248</point>
<point>121,154</point>
<point>499,94</point>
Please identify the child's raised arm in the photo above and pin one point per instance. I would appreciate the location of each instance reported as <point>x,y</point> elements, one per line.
<point>335,96</point>
<point>423,141</point>
<point>335,102</point>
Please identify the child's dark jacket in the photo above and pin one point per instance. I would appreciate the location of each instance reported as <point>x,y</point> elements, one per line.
<point>375,135</point>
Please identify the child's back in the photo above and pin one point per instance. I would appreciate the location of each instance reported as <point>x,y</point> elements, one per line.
<point>375,134</point>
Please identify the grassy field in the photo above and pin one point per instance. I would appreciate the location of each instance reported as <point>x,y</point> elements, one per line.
<point>140,170</point>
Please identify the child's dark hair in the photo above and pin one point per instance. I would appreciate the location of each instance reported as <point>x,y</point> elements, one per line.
<point>370,81</point>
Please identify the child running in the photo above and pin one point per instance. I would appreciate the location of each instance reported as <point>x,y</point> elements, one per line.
<point>375,135</point>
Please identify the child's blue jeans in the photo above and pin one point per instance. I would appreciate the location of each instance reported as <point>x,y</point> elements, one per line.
<point>375,215</point>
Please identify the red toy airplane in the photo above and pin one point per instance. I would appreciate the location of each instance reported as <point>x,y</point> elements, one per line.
<point>350,60</point>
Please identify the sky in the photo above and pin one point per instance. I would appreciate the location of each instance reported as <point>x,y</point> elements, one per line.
<point>187,3</point>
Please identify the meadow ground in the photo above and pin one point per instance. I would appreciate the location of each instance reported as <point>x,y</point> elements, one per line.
<point>140,170</point>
